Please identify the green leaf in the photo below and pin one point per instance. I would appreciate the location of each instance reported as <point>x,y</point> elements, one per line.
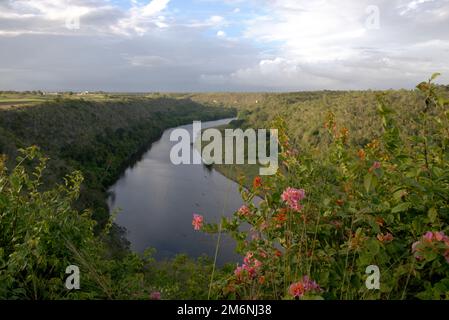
<point>434,76</point>
<point>433,215</point>
<point>368,181</point>
<point>401,207</point>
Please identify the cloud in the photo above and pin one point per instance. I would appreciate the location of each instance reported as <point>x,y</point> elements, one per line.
<point>221,33</point>
<point>147,61</point>
<point>142,18</point>
<point>328,44</point>
<point>204,45</point>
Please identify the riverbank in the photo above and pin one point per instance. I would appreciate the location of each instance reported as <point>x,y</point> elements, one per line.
<point>98,138</point>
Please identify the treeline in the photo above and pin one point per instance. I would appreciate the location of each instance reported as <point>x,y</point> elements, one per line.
<point>53,199</point>
<point>97,138</point>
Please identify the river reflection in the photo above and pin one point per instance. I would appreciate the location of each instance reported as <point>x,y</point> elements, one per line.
<point>157,200</point>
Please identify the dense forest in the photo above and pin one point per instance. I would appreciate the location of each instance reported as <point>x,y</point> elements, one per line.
<point>364,181</point>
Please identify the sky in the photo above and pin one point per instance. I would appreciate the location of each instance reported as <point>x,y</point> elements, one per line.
<point>228,45</point>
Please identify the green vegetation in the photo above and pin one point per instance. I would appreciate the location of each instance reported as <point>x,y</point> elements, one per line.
<point>41,234</point>
<point>364,181</point>
<point>97,138</point>
<point>329,215</point>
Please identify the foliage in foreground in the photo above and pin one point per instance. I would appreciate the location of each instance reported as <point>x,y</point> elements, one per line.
<point>324,219</point>
<point>41,235</point>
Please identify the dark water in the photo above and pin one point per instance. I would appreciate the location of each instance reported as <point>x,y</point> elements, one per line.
<point>157,200</point>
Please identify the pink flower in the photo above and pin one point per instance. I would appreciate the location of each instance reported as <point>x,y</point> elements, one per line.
<point>296,289</point>
<point>238,271</point>
<point>248,258</point>
<point>440,236</point>
<point>155,295</point>
<point>428,236</point>
<point>292,197</point>
<point>244,211</point>
<point>197,221</point>
<point>376,165</point>
<point>251,270</point>
<point>257,264</point>
<point>300,288</point>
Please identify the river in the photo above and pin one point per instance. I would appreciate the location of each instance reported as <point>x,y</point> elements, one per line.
<point>157,200</point>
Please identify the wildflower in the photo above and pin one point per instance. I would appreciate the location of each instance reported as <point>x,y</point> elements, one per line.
<point>296,289</point>
<point>361,154</point>
<point>238,271</point>
<point>278,253</point>
<point>197,221</point>
<point>376,165</point>
<point>155,295</point>
<point>385,238</point>
<point>261,280</point>
<point>373,144</point>
<point>250,264</point>
<point>300,288</point>
<point>428,240</point>
<point>248,257</point>
<point>428,236</point>
<point>257,182</point>
<point>440,236</point>
<point>292,196</point>
<point>344,133</point>
<point>280,218</point>
<point>263,254</point>
<point>244,211</point>
<point>257,264</point>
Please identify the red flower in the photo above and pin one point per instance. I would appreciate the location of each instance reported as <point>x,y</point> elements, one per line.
<point>300,288</point>
<point>197,221</point>
<point>376,165</point>
<point>257,182</point>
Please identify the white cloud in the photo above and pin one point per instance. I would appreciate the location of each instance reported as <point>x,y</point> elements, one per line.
<point>141,18</point>
<point>269,45</point>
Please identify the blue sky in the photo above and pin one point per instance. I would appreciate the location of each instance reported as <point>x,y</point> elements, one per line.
<point>228,45</point>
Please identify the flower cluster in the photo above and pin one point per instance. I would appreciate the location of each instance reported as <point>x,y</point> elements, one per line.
<point>250,267</point>
<point>433,240</point>
<point>292,197</point>
<point>197,221</point>
<point>301,288</point>
<point>244,211</point>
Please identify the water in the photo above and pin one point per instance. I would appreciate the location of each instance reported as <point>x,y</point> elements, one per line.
<point>157,201</point>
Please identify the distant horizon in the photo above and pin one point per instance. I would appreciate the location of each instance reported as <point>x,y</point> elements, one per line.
<point>208,92</point>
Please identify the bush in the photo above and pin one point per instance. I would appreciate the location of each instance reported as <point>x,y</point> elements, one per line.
<point>325,218</point>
